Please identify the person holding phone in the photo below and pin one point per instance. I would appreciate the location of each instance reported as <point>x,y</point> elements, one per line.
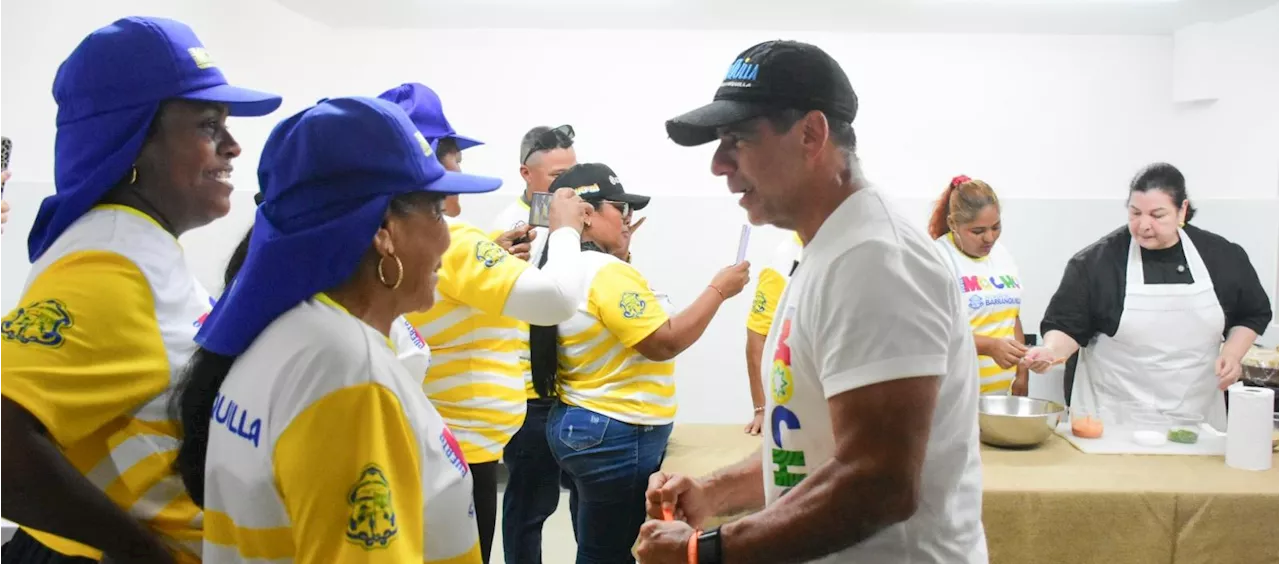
<point>545,153</point>
<point>106,320</point>
<point>611,371</point>
<point>473,333</point>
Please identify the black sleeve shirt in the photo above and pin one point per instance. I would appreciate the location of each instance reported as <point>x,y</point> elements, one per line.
<point>1090,298</point>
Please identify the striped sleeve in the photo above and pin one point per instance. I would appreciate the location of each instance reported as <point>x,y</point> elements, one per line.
<point>84,346</point>
<point>476,271</point>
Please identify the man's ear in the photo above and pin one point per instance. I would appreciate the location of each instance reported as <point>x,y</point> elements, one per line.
<point>525,173</point>
<point>814,131</point>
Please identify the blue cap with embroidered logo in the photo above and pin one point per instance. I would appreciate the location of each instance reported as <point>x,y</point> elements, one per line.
<point>769,76</point>
<point>427,114</point>
<point>108,92</point>
<point>328,175</point>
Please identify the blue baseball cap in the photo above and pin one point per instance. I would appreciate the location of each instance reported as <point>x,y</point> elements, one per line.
<point>327,175</point>
<point>427,113</point>
<point>108,92</point>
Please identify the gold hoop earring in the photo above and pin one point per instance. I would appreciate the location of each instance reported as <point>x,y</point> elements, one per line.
<point>399,272</point>
<point>1182,224</point>
<point>133,178</point>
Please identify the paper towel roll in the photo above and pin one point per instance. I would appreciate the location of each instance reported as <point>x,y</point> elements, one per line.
<point>1249,427</point>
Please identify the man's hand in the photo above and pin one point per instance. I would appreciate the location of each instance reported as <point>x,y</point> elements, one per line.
<point>664,542</point>
<point>1228,372</point>
<point>684,495</point>
<point>753,428</point>
<point>518,241</point>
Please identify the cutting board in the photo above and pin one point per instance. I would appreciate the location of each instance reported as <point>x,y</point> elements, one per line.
<point>1118,439</point>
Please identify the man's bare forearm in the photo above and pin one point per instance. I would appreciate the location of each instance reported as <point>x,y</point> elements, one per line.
<point>841,504</point>
<point>737,488</point>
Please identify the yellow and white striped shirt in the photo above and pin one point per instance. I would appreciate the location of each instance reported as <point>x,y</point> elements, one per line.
<point>105,326</point>
<point>773,279</point>
<point>322,448</point>
<point>599,368</point>
<point>476,378</point>
<point>991,292</point>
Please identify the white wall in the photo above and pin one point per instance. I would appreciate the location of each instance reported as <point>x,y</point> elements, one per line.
<point>1057,123</point>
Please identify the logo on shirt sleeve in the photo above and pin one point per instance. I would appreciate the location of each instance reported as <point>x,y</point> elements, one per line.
<point>632,305</point>
<point>489,253</point>
<point>761,302</point>
<point>372,520</point>
<point>40,323</point>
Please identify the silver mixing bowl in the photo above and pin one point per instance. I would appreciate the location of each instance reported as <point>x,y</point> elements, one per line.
<point>1017,422</point>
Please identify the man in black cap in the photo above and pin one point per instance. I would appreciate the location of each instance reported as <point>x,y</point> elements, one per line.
<point>870,447</point>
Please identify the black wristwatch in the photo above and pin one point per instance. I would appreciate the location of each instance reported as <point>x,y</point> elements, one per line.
<point>709,547</point>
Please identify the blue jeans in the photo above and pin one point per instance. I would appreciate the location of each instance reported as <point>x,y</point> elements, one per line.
<point>609,463</point>
<point>533,486</point>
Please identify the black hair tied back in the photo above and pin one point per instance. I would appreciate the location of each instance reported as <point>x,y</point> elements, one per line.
<point>544,344</point>
<point>1166,178</point>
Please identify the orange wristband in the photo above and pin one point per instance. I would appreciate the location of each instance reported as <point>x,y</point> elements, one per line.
<point>693,546</point>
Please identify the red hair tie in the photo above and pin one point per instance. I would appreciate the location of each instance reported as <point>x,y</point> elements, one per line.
<point>959,180</point>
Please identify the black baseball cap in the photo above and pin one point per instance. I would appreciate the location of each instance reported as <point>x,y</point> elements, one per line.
<point>595,182</point>
<point>774,75</point>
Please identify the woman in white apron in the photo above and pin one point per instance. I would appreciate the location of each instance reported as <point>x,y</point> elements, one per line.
<point>1149,308</point>
<point>966,228</point>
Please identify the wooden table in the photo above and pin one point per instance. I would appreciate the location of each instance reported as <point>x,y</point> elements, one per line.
<point>1057,504</point>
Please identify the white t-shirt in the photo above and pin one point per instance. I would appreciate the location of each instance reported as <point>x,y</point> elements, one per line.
<point>991,295</point>
<point>515,215</point>
<point>872,301</point>
<point>324,448</point>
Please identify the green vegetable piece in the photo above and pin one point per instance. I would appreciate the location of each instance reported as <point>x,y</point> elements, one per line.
<point>1184,436</point>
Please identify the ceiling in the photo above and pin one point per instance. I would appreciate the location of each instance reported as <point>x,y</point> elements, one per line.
<point>957,16</point>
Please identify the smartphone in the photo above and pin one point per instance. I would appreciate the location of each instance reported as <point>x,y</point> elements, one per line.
<point>6,147</point>
<point>540,210</point>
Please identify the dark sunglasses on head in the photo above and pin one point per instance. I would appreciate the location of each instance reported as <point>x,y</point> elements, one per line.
<point>555,138</point>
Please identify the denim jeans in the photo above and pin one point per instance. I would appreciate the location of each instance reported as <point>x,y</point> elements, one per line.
<point>609,463</point>
<point>533,486</point>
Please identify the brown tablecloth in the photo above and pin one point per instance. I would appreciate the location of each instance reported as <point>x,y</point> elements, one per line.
<point>1057,504</point>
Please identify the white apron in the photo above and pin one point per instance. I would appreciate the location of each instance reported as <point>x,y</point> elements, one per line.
<point>1165,349</point>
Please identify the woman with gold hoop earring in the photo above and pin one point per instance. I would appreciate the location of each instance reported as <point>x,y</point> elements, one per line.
<point>296,371</point>
<point>1160,312</point>
<point>106,321</point>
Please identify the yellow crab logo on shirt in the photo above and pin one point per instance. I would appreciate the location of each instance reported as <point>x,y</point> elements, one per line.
<point>372,521</point>
<point>760,303</point>
<point>489,253</point>
<point>632,305</point>
<point>41,323</point>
